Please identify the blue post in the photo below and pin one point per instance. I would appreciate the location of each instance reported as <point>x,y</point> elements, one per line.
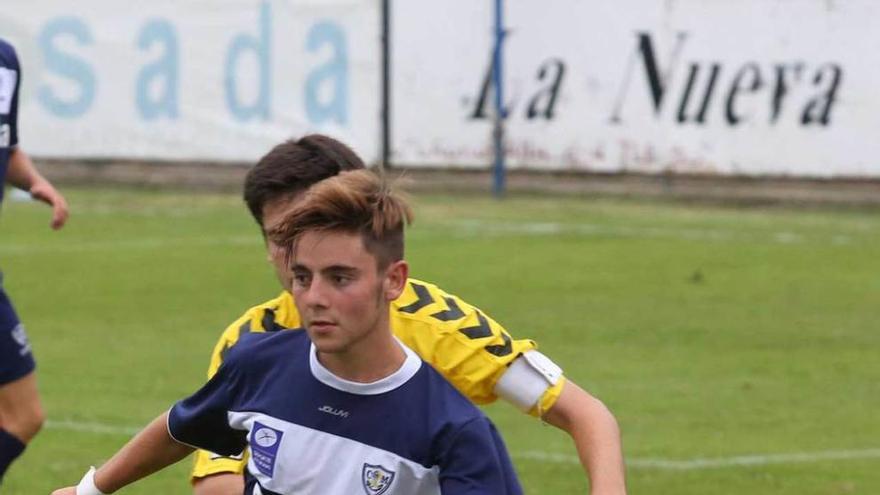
<point>498,80</point>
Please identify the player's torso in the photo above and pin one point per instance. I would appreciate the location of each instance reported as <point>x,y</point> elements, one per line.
<point>312,438</point>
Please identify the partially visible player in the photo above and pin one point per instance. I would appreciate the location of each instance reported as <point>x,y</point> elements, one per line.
<point>21,414</point>
<point>464,344</point>
<point>343,407</point>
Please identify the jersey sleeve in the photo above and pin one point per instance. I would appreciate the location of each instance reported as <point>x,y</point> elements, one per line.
<point>201,420</point>
<point>273,315</point>
<point>476,463</point>
<point>206,463</point>
<point>469,348</point>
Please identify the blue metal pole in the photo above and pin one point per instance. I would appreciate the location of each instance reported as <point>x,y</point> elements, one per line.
<point>498,83</point>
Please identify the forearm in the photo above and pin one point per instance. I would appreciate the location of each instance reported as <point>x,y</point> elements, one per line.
<point>21,172</point>
<point>596,436</point>
<point>149,451</point>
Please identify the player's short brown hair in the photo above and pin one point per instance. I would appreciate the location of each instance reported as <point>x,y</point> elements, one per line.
<point>355,201</point>
<point>293,166</point>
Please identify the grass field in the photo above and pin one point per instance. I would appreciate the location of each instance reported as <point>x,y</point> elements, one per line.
<point>739,348</point>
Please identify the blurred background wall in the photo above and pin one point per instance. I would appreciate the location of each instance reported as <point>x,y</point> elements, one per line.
<point>676,88</point>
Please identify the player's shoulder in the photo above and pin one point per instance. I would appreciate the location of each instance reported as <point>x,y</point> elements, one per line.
<point>448,405</point>
<point>278,313</point>
<point>7,50</point>
<point>416,287</point>
<point>424,301</point>
<point>280,301</point>
<point>264,348</point>
<point>8,57</point>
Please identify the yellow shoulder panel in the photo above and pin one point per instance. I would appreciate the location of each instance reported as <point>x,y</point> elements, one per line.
<point>467,347</point>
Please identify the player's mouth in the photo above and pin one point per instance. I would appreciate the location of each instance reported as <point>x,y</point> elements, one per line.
<point>321,325</point>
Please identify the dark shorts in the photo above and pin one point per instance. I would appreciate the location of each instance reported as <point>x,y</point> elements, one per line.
<point>16,359</point>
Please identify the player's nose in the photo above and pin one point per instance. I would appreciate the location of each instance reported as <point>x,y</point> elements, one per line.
<point>316,296</point>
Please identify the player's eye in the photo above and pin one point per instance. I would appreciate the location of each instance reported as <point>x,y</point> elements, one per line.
<point>301,279</point>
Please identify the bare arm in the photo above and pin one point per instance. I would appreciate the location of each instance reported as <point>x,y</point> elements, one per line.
<point>596,437</point>
<point>23,175</point>
<point>149,451</point>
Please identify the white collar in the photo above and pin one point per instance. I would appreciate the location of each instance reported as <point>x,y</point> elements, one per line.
<point>410,366</point>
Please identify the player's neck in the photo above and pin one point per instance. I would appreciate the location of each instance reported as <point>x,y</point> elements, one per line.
<point>373,358</point>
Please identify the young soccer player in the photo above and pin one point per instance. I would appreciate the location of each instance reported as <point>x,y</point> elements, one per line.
<point>464,344</point>
<point>343,407</point>
<point>21,414</point>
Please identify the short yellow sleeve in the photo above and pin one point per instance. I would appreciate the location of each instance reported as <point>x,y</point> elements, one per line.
<point>466,346</point>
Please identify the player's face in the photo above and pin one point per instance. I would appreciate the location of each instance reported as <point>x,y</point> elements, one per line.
<point>273,214</point>
<point>341,294</point>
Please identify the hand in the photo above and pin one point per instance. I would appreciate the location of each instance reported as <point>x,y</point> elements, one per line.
<point>45,192</point>
<point>70,490</point>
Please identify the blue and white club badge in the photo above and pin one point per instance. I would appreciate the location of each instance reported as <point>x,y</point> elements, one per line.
<point>264,447</point>
<point>377,479</point>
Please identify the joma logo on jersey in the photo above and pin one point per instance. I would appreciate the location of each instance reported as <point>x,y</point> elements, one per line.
<point>333,411</point>
<point>377,479</point>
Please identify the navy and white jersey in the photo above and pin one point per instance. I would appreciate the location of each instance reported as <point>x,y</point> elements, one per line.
<point>311,432</point>
<point>10,75</point>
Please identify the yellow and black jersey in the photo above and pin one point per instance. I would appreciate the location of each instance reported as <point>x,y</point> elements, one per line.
<point>467,347</point>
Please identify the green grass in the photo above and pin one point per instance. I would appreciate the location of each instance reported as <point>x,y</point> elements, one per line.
<point>710,332</point>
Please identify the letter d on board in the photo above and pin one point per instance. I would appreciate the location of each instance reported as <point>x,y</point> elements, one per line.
<point>330,78</point>
<point>261,48</point>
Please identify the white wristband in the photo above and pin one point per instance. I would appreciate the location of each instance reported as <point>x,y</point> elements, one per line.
<point>87,486</point>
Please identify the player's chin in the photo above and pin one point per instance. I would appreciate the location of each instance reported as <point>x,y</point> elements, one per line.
<point>325,340</point>
<point>327,346</point>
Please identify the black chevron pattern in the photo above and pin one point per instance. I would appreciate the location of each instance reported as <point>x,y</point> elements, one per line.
<point>270,324</point>
<point>451,314</point>
<point>480,331</point>
<point>501,350</point>
<point>424,299</point>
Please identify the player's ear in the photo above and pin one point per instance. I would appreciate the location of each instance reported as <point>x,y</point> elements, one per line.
<point>395,279</point>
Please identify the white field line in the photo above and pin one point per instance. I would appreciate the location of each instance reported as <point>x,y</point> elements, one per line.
<point>12,248</point>
<point>463,228</point>
<point>716,462</point>
<point>549,457</point>
<point>96,428</point>
<point>481,228</point>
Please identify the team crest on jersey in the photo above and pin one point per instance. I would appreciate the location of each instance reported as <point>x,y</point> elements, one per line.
<point>264,447</point>
<point>377,479</point>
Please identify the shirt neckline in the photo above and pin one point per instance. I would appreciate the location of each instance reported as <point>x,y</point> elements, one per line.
<point>407,370</point>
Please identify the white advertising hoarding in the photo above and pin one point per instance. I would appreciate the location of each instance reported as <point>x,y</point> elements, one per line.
<point>214,80</point>
<point>746,87</point>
